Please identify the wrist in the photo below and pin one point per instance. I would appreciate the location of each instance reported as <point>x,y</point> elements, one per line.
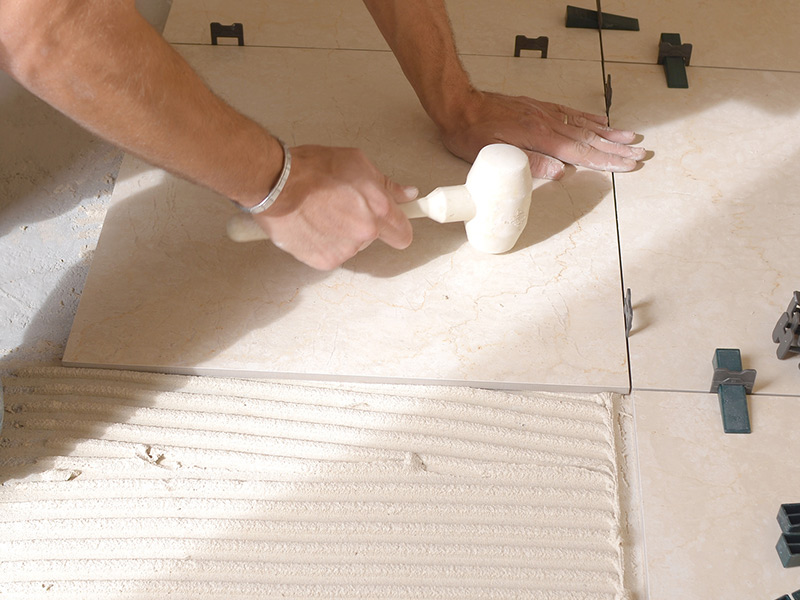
<point>459,112</point>
<point>277,188</point>
<point>272,171</point>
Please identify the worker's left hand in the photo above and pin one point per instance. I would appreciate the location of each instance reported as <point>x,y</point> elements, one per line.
<point>550,134</point>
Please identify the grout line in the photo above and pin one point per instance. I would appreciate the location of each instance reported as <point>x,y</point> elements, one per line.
<point>622,279</point>
<point>700,392</point>
<point>616,207</point>
<point>382,50</point>
<point>694,66</point>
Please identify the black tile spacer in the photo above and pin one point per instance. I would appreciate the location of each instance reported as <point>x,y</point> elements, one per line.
<point>608,92</point>
<point>794,596</point>
<point>675,57</point>
<point>583,18</point>
<point>227,31</point>
<point>788,548</point>
<point>540,44</point>
<point>787,330</point>
<point>732,384</point>
<point>789,518</point>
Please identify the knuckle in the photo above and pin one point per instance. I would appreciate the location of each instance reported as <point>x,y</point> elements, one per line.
<point>539,129</point>
<point>580,121</point>
<point>367,232</point>
<point>588,136</point>
<point>382,209</point>
<point>582,149</point>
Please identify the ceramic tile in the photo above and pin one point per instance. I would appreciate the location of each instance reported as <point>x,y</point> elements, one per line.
<point>487,28</point>
<point>708,227</point>
<point>735,34</point>
<point>710,499</point>
<point>167,291</point>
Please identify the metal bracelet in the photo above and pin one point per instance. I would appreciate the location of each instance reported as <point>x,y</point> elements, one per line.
<point>275,191</point>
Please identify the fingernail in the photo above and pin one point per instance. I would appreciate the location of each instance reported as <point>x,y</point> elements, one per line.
<point>555,170</point>
<point>410,192</point>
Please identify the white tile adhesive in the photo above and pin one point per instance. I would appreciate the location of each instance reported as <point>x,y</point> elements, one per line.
<point>121,485</point>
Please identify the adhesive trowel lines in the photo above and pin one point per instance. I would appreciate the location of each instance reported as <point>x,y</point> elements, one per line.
<point>131,485</point>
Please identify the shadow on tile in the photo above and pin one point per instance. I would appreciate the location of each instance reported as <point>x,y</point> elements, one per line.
<point>549,216</point>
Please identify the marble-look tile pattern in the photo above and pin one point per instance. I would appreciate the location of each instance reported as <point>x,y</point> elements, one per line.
<point>167,291</point>
<point>708,228</point>
<point>735,33</point>
<point>710,499</point>
<point>486,28</point>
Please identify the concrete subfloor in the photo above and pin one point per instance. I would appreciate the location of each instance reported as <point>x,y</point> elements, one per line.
<point>56,181</point>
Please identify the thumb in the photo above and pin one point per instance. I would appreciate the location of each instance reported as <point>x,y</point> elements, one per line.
<point>410,192</point>
<point>401,193</point>
<point>545,167</point>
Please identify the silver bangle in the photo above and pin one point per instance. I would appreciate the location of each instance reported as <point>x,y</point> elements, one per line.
<point>275,191</point>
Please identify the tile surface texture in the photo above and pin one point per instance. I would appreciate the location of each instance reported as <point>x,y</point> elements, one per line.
<point>486,28</point>
<point>736,34</point>
<point>708,228</point>
<point>168,291</point>
<point>710,499</point>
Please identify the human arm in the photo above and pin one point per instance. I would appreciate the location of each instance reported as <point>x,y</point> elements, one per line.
<point>102,65</point>
<point>419,34</point>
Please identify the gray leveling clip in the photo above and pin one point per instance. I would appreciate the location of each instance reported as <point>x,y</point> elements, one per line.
<point>787,330</point>
<point>675,57</point>
<point>732,384</point>
<point>788,546</point>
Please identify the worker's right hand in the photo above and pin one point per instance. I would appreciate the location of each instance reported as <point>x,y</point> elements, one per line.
<point>336,203</point>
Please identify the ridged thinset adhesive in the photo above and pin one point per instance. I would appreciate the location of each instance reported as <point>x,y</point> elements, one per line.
<point>132,485</point>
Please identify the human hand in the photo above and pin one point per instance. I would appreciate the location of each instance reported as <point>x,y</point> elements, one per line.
<point>550,134</point>
<point>336,203</point>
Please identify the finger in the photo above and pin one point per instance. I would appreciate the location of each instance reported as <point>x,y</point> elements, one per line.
<point>621,136</point>
<point>588,136</point>
<point>635,152</point>
<point>396,229</point>
<point>584,155</point>
<point>409,194</point>
<point>582,120</point>
<point>580,116</point>
<point>544,167</point>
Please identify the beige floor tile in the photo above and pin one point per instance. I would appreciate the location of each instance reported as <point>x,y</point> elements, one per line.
<point>708,227</point>
<point>735,34</point>
<point>167,291</point>
<point>710,499</point>
<point>486,28</point>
